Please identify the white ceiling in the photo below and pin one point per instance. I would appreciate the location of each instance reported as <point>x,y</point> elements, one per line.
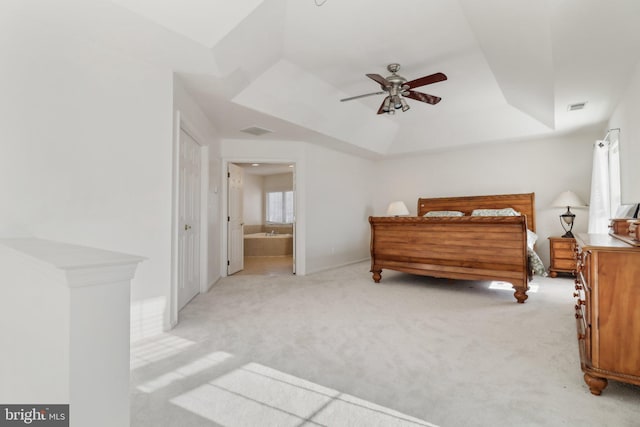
<point>513,66</point>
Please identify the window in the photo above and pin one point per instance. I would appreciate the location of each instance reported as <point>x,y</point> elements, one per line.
<point>280,207</point>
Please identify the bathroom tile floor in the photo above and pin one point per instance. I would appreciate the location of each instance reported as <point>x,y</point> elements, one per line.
<point>267,265</point>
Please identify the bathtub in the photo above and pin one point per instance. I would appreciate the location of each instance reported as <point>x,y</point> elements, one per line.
<point>265,244</point>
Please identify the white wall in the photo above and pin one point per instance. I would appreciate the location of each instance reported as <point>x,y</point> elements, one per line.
<point>86,151</point>
<point>253,199</point>
<point>278,182</point>
<point>339,201</point>
<point>543,166</point>
<point>333,196</point>
<point>625,117</point>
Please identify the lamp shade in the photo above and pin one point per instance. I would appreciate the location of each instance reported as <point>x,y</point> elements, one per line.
<point>567,198</point>
<point>397,209</point>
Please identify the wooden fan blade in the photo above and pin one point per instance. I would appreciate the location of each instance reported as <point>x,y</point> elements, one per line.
<point>362,96</point>
<point>419,96</point>
<point>379,79</point>
<point>426,80</point>
<point>381,107</point>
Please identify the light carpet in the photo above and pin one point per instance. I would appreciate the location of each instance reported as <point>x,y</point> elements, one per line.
<point>335,349</point>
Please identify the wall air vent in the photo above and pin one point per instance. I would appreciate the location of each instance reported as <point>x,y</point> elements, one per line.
<point>256,130</point>
<point>576,106</point>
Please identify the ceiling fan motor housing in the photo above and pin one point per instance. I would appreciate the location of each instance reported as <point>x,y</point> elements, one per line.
<point>395,80</point>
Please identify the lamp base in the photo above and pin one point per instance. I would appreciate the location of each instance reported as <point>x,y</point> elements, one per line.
<point>566,219</point>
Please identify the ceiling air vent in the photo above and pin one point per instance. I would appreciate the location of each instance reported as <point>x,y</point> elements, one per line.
<point>256,130</point>
<point>576,106</point>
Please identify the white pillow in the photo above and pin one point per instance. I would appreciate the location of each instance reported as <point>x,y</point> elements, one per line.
<point>495,212</point>
<point>532,238</point>
<point>443,213</point>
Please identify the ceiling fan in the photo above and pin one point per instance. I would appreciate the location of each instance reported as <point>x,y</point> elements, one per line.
<point>397,88</point>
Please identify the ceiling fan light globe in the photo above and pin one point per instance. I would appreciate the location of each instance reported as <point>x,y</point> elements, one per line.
<point>391,112</point>
<point>387,104</point>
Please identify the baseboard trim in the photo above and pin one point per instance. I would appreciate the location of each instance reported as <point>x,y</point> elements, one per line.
<point>331,267</point>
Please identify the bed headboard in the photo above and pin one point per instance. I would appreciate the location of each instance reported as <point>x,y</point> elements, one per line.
<point>523,203</point>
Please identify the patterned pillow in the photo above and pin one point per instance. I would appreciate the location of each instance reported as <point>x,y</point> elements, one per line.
<point>495,212</point>
<point>536,263</point>
<point>443,213</point>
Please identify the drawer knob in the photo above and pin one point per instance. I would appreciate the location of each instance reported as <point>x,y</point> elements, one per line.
<point>578,316</point>
<point>580,302</point>
<point>576,294</point>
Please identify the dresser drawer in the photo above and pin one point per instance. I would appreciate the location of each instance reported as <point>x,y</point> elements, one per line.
<point>568,255</point>
<point>564,245</point>
<point>564,264</point>
<point>563,249</point>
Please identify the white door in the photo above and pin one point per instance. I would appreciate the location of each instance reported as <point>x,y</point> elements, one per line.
<point>235,228</point>
<point>189,220</point>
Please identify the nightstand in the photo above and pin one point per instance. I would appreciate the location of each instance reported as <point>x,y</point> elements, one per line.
<point>563,255</point>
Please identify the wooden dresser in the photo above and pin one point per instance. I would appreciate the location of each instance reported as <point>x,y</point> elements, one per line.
<point>562,251</point>
<point>608,310</point>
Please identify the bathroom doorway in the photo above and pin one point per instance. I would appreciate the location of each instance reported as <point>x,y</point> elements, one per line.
<point>269,218</point>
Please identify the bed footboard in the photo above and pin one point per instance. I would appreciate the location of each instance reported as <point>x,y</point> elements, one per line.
<point>467,248</point>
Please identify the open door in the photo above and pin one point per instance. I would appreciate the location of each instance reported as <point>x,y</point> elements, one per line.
<point>235,222</point>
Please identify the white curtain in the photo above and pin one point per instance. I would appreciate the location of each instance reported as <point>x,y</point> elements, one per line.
<point>605,185</point>
<point>614,177</point>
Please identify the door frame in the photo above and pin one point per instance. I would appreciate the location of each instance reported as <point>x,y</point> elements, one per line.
<point>181,123</point>
<point>299,244</point>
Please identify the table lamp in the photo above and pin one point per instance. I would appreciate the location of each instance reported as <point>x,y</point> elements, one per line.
<point>397,209</point>
<point>568,199</point>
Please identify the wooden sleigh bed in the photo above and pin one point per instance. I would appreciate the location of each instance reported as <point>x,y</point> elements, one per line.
<point>464,247</point>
